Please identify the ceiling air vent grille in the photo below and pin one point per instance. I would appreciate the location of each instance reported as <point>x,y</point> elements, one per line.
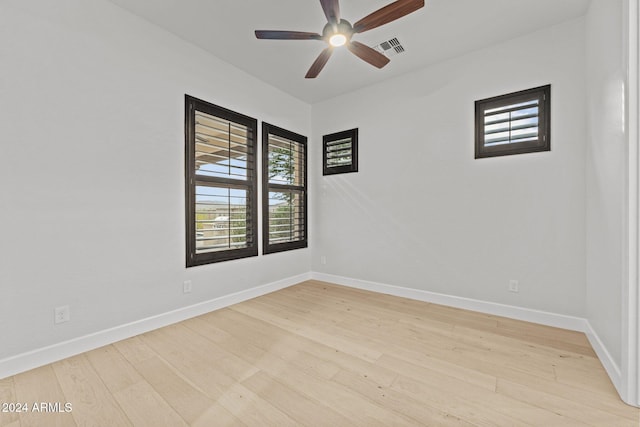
<point>390,47</point>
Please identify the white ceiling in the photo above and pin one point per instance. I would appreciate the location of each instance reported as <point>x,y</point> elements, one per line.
<point>442,29</point>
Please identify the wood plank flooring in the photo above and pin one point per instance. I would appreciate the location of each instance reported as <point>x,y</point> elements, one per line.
<point>318,354</point>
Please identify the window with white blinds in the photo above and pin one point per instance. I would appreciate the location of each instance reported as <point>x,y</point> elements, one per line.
<point>515,123</point>
<point>340,152</point>
<point>221,183</point>
<point>284,189</point>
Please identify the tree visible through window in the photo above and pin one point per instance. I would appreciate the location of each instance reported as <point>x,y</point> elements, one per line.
<point>284,204</point>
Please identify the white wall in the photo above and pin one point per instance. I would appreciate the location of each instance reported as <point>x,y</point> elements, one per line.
<point>92,169</point>
<point>422,213</point>
<point>606,173</point>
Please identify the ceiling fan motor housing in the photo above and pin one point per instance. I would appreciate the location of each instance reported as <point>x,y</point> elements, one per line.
<point>344,27</point>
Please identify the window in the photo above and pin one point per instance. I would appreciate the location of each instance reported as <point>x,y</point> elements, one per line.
<point>221,183</point>
<point>514,124</point>
<point>340,152</point>
<point>284,189</point>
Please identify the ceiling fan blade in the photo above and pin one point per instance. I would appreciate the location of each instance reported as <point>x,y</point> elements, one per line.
<point>367,54</point>
<point>319,63</point>
<point>287,35</point>
<point>389,13</point>
<point>331,10</point>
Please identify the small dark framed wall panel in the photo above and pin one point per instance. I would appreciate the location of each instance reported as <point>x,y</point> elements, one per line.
<point>340,152</point>
<point>515,123</point>
<point>284,190</point>
<point>220,184</point>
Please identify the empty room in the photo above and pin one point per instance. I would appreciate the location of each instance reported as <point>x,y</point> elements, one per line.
<point>304,212</point>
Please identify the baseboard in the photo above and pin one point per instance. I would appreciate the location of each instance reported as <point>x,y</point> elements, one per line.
<point>612,368</point>
<point>43,356</point>
<point>513,312</point>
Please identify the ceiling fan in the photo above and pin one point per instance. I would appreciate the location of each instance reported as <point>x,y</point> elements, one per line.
<point>339,31</point>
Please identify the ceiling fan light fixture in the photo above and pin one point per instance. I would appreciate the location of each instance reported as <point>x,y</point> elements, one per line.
<point>337,40</point>
<point>338,32</point>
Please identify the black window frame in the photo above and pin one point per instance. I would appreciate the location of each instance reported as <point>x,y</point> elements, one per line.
<point>269,248</point>
<point>542,143</point>
<point>352,135</point>
<point>192,180</point>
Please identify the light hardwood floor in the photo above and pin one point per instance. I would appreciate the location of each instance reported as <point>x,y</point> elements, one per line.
<point>319,354</point>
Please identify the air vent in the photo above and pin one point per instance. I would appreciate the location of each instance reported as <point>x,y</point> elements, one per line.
<point>390,47</point>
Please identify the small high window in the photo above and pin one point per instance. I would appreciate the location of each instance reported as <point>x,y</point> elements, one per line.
<point>515,123</point>
<point>340,152</point>
<point>284,189</point>
<point>221,184</point>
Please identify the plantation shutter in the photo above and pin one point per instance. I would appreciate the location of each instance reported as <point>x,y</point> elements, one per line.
<point>285,192</point>
<point>221,162</point>
<point>340,152</point>
<point>514,123</point>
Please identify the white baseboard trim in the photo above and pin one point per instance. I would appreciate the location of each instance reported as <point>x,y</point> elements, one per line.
<point>510,311</point>
<point>43,356</point>
<point>612,368</point>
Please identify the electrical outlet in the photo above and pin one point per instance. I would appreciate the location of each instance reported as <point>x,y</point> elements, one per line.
<point>514,286</point>
<point>62,314</point>
<point>323,260</point>
<point>187,287</point>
